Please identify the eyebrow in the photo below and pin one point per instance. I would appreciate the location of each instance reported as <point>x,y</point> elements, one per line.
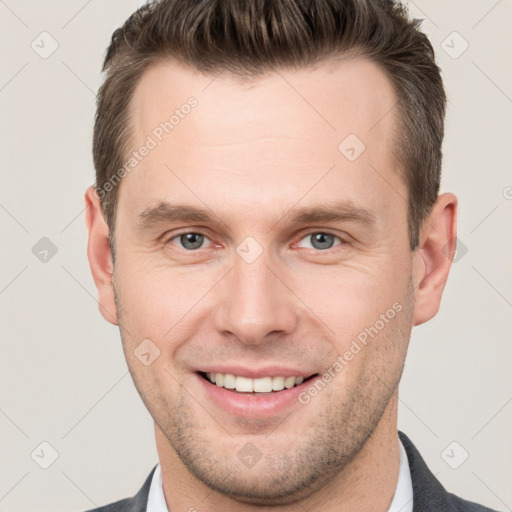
<point>335,212</point>
<point>344,211</point>
<point>167,212</point>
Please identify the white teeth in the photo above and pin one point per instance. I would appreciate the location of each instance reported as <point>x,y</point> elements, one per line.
<point>263,385</point>
<point>277,383</point>
<point>289,382</point>
<point>246,385</point>
<point>229,381</point>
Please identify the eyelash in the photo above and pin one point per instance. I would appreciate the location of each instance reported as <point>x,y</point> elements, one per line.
<point>303,236</point>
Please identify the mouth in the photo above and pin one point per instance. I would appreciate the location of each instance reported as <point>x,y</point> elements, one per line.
<point>268,385</point>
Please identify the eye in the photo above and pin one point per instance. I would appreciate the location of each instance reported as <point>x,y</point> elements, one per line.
<point>189,241</point>
<point>320,240</point>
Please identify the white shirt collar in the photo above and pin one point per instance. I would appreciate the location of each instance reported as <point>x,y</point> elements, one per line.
<point>402,500</point>
<point>156,500</point>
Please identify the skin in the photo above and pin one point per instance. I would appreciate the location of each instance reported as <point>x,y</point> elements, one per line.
<point>253,153</point>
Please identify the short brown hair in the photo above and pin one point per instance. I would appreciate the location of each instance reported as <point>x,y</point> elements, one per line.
<point>250,37</point>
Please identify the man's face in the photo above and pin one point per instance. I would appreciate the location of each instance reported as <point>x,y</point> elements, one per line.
<point>266,287</point>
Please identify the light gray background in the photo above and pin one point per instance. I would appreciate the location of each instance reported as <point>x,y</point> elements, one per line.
<point>64,379</point>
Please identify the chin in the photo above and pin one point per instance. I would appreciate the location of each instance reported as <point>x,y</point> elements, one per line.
<point>263,487</point>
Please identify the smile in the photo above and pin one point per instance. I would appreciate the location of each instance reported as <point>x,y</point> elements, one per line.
<point>248,385</point>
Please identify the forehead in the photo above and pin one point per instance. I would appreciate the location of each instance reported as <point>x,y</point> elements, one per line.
<point>343,95</point>
<point>265,139</point>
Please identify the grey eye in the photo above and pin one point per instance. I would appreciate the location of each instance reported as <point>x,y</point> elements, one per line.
<point>322,240</point>
<point>191,241</point>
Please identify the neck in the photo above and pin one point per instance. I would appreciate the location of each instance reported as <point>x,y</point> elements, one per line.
<point>366,484</point>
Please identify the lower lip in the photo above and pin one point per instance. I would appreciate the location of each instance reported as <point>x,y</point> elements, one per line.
<point>251,405</point>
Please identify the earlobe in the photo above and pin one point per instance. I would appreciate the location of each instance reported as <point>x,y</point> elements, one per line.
<point>100,256</point>
<point>433,258</point>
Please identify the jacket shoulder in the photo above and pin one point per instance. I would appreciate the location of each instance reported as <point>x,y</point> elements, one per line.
<point>124,505</point>
<point>428,493</point>
<point>461,505</point>
<point>137,503</point>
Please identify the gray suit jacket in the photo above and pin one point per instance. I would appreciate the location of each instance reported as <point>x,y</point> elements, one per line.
<point>428,493</point>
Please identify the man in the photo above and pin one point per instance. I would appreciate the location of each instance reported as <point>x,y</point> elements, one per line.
<point>266,230</point>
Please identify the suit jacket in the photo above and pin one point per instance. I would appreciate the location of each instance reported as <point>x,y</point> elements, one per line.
<point>428,493</point>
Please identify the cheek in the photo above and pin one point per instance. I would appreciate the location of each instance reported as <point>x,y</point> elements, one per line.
<point>156,302</point>
<point>349,300</point>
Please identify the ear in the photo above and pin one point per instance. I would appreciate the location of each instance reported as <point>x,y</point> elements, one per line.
<point>433,258</point>
<point>100,257</point>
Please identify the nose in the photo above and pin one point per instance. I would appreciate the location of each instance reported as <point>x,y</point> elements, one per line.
<point>255,304</point>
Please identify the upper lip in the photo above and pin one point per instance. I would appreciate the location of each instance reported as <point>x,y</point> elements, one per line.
<point>253,373</point>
